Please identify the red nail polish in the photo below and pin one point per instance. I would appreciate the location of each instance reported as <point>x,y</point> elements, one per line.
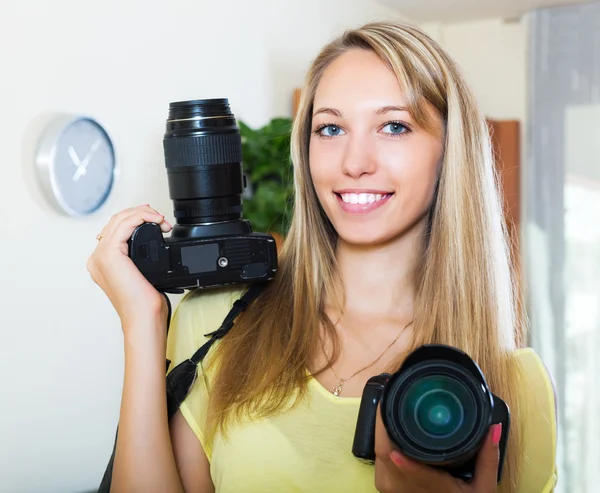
<point>396,458</point>
<point>497,434</point>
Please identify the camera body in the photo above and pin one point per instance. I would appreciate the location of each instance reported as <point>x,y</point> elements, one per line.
<point>202,261</point>
<point>210,245</point>
<point>437,410</point>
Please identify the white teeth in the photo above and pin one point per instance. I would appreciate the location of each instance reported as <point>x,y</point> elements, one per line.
<point>361,198</point>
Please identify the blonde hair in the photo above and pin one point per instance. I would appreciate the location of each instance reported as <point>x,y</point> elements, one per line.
<point>465,294</point>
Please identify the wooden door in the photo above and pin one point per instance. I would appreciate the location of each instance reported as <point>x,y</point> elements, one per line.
<point>506,137</point>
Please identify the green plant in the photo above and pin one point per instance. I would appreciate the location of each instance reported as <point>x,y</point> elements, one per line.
<point>268,168</point>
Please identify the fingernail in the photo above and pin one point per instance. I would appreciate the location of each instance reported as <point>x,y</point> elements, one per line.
<point>396,458</point>
<point>497,434</point>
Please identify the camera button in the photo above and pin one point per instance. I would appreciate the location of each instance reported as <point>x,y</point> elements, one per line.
<point>256,269</point>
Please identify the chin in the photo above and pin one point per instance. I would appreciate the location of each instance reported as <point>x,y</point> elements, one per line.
<point>365,236</point>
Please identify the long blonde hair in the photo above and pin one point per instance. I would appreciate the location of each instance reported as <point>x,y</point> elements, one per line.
<point>465,294</point>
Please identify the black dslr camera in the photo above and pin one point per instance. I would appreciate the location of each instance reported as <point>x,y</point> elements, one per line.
<point>437,409</point>
<point>210,244</point>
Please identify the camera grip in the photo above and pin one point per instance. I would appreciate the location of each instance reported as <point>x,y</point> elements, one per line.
<point>363,446</point>
<point>501,414</point>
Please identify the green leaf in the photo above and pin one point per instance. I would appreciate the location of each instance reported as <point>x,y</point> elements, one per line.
<point>267,164</point>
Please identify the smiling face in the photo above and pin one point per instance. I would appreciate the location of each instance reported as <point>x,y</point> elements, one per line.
<point>374,170</point>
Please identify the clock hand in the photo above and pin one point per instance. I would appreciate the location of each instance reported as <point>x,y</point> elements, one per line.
<point>79,173</point>
<point>82,168</point>
<point>90,153</point>
<point>74,156</point>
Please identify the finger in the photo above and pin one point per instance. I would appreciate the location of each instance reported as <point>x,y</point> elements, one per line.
<point>116,219</point>
<point>165,226</point>
<point>417,473</point>
<point>123,230</point>
<point>397,466</point>
<point>383,445</point>
<point>387,475</point>
<point>486,467</point>
<point>125,215</point>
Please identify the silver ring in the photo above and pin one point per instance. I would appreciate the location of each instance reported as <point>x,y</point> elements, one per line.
<point>198,118</point>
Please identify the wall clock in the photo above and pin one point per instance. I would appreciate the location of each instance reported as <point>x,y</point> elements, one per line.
<point>75,163</point>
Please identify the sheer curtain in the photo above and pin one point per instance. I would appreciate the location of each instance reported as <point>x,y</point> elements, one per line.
<point>562,227</point>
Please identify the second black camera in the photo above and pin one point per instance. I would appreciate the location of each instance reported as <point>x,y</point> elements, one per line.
<point>437,410</point>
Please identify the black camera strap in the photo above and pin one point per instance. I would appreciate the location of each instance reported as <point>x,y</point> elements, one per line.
<point>181,379</point>
<point>183,376</point>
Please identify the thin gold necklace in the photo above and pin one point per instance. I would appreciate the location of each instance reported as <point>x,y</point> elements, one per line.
<point>337,390</point>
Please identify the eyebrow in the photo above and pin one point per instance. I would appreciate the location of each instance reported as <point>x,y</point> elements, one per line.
<point>387,109</point>
<point>329,111</point>
<point>380,111</point>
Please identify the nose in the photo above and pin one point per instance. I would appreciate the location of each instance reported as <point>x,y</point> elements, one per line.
<point>359,157</point>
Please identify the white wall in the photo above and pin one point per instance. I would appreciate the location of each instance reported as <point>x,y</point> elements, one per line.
<point>493,56</point>
<point>122,62</point>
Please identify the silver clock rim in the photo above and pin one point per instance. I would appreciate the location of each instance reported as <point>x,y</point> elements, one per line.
<point>45,161</point>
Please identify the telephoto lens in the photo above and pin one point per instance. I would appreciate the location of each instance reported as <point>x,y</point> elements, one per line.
<point>203,158</point>
<point>437,409</point>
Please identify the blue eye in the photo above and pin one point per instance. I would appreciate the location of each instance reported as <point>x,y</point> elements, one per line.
<point>396,128</point>
<point>330,131</point>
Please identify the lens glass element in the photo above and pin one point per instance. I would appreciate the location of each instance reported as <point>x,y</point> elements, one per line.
<point>438,411</point>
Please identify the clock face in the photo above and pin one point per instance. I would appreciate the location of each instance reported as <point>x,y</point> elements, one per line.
<point>78,163</point>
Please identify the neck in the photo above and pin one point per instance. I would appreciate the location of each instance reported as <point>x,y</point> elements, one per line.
<point>378,280</point>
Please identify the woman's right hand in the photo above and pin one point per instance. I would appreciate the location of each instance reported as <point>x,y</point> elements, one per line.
<point>111,268</point>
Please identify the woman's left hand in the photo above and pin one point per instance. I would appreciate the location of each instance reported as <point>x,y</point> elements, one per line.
<point>395,473</point>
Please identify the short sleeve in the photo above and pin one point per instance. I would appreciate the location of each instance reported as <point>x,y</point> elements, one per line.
<point>539,422</point>
<point>197,314</point>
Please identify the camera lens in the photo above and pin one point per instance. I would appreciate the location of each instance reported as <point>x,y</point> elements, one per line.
<point>438,411</point>
<point>203,157</point>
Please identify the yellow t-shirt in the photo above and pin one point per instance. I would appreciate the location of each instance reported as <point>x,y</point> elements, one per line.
<point>309,448</point>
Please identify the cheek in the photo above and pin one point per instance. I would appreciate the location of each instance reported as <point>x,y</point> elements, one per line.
<point>414,169</point>
<point>321,168</point>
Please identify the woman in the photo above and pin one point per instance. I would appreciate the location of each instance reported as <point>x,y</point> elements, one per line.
<point>396,241</point>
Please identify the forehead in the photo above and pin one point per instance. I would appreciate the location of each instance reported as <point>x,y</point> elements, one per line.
<point>358,76</point>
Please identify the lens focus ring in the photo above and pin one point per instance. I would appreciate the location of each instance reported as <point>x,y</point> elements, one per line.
<point>202,150</point>
<point>205,209</point>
